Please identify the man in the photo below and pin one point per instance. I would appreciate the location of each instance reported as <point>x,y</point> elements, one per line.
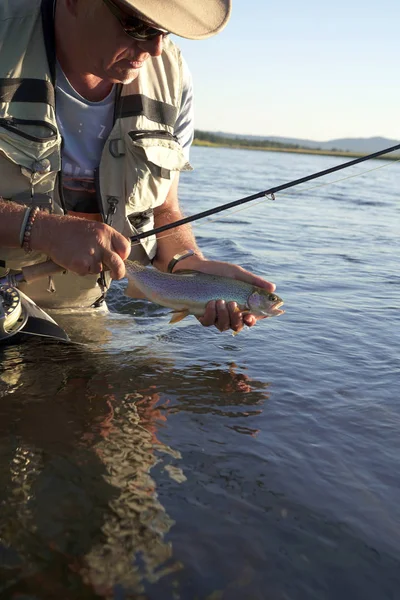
<point>95,124</point>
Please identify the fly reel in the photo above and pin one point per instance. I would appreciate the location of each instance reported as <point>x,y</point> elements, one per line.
<point>13,317</point>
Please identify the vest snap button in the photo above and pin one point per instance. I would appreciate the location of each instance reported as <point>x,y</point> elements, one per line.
<point>42,166</point>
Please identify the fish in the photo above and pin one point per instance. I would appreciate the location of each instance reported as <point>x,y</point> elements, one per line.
<point>188,292</point>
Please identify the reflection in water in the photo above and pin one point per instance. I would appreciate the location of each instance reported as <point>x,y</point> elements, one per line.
<point>75,474</point>
<point>49,480</point>
<point>80,510</point>
<point>133,546</point>
<point>91,478</point>
<point>234,392</point>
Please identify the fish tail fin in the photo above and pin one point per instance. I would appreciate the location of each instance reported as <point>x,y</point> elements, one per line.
<point>178,315</point>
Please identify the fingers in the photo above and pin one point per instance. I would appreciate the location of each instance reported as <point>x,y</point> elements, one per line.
<point>236,317</point>
<point>81,267</point>
<point>86,247</point>
<point>120,245</point>
<point>89,267</point>
<point>114,259</point>
<point>116,250</point>
<point>114,263</point>
<point>249,320</point>
<point>210,314</point>
<point>225,316</point>
<point>255,280</point>
<point>216,267</point>
<point>222,321</point>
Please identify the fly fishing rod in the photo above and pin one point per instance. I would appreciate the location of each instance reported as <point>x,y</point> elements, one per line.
<point>33,272</point>
<point>270,192</point>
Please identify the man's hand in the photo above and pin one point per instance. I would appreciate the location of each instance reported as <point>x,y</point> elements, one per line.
<point>81,246</point>
<point>219,313</point>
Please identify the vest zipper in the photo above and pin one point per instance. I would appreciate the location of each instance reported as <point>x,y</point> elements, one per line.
<point>112,209</point>
<point>117,102</point>
<point>112,201</point>
<point>140,134</point>
<point>61,191</point>
<point>10,125</point>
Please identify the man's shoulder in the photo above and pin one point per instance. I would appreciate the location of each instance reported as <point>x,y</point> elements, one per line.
<point>18,9</point>
<point>170,47</point>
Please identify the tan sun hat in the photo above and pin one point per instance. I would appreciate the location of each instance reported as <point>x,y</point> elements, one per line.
<point>192,19</point>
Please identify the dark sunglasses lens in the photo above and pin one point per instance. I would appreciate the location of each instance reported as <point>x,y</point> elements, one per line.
<point>142,31</point>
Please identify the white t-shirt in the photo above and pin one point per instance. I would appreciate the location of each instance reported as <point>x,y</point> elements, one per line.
<point>85,126</point>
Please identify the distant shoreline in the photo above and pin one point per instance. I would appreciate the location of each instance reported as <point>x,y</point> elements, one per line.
<point>237,146</point>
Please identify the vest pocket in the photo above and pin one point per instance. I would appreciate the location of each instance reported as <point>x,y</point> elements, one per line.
<point>26,143</point>
<point>152,159</point>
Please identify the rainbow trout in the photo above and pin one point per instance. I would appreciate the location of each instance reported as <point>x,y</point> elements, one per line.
<point>188,292</point>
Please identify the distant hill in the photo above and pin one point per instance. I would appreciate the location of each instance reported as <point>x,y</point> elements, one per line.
<point>357,145</point>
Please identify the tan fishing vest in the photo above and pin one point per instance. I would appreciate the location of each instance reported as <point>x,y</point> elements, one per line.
<point>139,159</point>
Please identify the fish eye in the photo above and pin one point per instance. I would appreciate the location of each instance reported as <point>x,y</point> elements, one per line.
<point>273,297</point>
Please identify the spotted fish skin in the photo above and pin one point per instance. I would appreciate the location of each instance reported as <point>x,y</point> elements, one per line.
<point>188,292</point>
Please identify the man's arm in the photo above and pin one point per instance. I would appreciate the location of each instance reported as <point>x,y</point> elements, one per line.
<point>76,244</point>
<point>176,241</point>
<point>11,218</point>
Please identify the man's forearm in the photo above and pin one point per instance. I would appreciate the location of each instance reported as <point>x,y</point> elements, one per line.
<point>11,218</point>
<point>11,221</point>
<point>174,241</point>
<point>79,245</point>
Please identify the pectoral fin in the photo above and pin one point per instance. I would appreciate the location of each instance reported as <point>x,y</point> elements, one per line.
<point>132,291</point>
<point>178,315</point>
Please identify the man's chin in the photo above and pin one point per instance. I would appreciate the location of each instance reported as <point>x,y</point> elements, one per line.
<point>125,76</point>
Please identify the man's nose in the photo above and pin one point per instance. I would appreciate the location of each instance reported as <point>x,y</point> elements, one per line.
<point>154,47</point>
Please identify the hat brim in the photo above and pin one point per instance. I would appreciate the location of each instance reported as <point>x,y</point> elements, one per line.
<point>191,19</point>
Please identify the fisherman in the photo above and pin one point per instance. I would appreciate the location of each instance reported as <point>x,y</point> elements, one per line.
<point>96,121</point>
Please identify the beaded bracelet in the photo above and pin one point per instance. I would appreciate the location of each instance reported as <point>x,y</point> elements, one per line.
<point>26,240</point>
<point>23,225</point>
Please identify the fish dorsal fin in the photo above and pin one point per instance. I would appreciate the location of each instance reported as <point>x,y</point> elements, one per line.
<point>178,315</point>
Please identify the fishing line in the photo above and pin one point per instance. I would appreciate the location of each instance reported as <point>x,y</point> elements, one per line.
<point>271,192</point>
<point>314,187</point>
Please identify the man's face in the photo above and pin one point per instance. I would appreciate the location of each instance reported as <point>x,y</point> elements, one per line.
<point>106,50</point>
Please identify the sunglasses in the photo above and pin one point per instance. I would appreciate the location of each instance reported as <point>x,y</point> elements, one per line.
<point>135,27</point>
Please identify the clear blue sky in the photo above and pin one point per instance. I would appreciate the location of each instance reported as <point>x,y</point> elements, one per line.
<point>315,70</point>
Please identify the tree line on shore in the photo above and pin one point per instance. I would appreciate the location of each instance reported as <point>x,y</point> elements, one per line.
<point>215,138</point>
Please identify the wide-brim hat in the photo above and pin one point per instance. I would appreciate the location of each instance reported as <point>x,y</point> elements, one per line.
<point>192,19</point>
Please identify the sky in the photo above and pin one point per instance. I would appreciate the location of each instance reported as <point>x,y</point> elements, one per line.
<point>311,70</point>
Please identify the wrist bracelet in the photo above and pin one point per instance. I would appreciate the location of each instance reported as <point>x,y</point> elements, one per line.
<point>23,225</point>
<point>26,239</point>
<point>177,258</point>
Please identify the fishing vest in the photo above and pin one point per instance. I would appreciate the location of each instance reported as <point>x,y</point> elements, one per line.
<point>139,159</point>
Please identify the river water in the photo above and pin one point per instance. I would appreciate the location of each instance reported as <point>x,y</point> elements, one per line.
<point>158,461</point>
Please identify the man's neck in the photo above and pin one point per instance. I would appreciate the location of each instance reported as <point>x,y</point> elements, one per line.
<point>89,86</point>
